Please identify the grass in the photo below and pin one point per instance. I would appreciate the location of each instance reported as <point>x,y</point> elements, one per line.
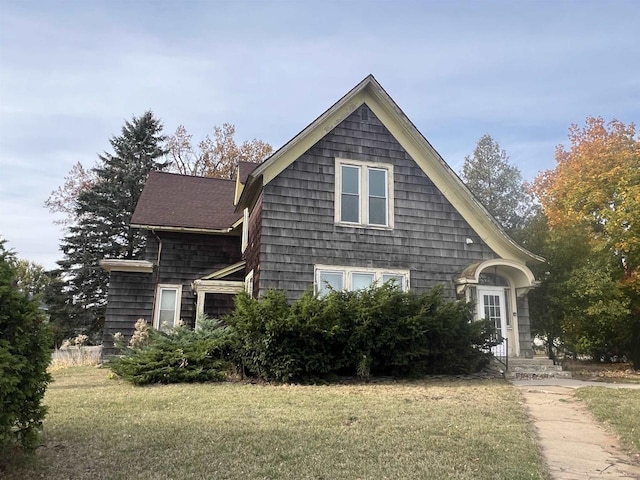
<point>618,408</point>
<point>104,428</point>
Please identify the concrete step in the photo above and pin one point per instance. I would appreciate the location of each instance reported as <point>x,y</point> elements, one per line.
<point>536,375</point>
<point>534,368</point>
<point>530,361</point>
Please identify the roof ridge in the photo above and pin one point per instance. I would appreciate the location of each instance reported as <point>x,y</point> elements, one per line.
<point>176,174</point>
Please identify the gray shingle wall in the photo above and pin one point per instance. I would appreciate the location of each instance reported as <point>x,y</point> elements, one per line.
<point>524,327</point>
<point>130,298</point>
<point>184,257</point>
<point>298,228</point>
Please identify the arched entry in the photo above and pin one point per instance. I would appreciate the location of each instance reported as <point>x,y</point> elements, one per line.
<point>499,288</point>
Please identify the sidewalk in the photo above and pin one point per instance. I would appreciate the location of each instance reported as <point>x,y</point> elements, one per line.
<point>574,444</point>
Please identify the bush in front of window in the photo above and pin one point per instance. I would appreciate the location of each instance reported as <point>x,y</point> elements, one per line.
<point>178,355</point>
<point>375,331</point>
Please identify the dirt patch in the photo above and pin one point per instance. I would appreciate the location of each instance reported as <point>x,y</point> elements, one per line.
<point>602,372</point>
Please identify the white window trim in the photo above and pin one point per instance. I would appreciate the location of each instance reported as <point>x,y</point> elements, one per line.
<point>156,313</point>
<point>245,230</point>
<point>349,271</point>
<point>248,283</point>
<point>363,192</point>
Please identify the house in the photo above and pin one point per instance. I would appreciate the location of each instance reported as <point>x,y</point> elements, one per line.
<point>358,196</point>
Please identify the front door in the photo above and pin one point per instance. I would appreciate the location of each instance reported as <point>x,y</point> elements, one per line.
<point>491,305</point>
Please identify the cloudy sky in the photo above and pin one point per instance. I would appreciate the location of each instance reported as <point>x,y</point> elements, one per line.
<point>71,73</point>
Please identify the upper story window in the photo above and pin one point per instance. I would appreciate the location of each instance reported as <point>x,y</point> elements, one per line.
<point>364,193</point>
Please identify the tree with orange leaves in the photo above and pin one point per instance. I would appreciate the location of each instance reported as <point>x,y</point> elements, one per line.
<point>596,185</point>
<point>595,188</point>
<point>213,157</point>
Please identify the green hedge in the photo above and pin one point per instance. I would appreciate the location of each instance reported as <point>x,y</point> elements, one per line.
<point>181,355</point>
<point>24,357</point>
<point>379,331</point>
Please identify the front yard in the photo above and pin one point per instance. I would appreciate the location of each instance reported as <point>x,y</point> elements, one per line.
<point>98,427</point>
<point>619,409</point>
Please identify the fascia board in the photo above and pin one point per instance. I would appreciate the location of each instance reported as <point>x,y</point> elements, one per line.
<point>162,228</point>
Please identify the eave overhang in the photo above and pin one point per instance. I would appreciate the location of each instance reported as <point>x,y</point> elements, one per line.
<point>120,265</point>
<point>164,228</point>
<point>217,286</point>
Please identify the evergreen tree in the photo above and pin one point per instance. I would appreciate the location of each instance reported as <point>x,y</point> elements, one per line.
<point>24,357</point>
<point>497,184</point>
<point>103,214</point>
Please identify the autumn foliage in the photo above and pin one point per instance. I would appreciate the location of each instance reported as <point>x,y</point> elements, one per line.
<point>595,189</point>
<point>597,184</point>
<point>213,157</point>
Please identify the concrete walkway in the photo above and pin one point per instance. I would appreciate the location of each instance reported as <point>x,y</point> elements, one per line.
<point>574,444</point>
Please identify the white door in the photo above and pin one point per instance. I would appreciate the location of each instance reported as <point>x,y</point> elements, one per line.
<point>491,305</point>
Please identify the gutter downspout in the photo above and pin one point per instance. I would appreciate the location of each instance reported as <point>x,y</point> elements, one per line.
<point>159,253</point>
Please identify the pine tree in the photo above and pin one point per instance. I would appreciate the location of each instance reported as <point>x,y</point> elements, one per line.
<point>497,184</point>
<point>24,357</point>
<point>103,214</point>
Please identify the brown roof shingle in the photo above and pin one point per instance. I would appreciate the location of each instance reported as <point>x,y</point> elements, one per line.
<point>245,169</point>
<point>182,201</point>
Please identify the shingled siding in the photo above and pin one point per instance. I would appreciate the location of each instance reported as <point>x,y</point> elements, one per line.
<point>130,298</point>
<point>298,228</point>
<point>252,253</point>
<point>185,257</point>
<point>524,327</point>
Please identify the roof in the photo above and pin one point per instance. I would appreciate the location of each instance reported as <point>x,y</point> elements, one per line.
<point>182,202</point>
<point>369,91</point>
<point>244,169</point>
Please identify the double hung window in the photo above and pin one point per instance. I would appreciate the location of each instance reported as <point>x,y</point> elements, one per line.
<point>168,302</point>
<point>364,193</point>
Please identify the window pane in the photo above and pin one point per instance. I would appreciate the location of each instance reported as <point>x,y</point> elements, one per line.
<point>332,279</point>
<point>361,280</point>
<point>398,279</point>
<point>377,211</point>
<point>350,208</point>
<point>168,299</point>
<point>167,318</point>
<point>377,183</point>
<point>350,179</point>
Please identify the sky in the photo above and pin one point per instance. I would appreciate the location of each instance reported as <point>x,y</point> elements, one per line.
<point>72,72</point>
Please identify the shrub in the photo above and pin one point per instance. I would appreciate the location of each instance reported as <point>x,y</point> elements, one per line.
<point>24,357</point>
<point>180,355</point>
<point>380,330</point>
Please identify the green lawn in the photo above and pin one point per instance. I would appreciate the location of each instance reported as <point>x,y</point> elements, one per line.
<point>620,409</point>
<point>98,427</point>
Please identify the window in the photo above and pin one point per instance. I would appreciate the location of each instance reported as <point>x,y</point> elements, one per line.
<point>167,311</point>
<point>245,230</point>
<point>248,283</point>
<point>364,193</point>
<point>356,278</point>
